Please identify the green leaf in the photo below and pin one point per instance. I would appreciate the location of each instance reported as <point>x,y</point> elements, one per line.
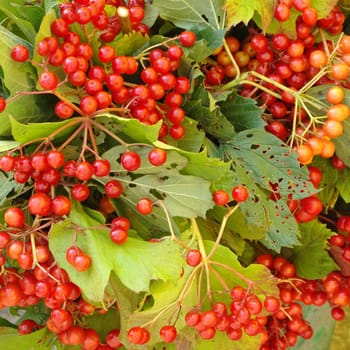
<point>38,313</point>
<point>163,296</point>
<point>7,185</point>
<point>132,129</point>
<point>342,143</point>
<point>283,230</point>
<point>183,195</point>
<point>174,161</point>
<point>197,14</point>
<point>23,133</point>
<point>244,11</point>
<point>129,43</point>
<point>200,164</point>
<point>7,145</point>
<point>222,341</point>
<point>225,262</point>
<point>343,184</point>
<point>264,216</point>
<point>202,107</point>
<point>11,340</point>
<point>270,162</point>
<point>242,112</point>
<point>20,77</point>
<point>193,139</point>
<point>6,323</point>
<point>16,15</point>
<point>333,183</point>
<point>127,261</point>
<point>311,258</point>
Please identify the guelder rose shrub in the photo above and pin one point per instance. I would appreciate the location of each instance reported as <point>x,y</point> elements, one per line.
<point>174,175</point>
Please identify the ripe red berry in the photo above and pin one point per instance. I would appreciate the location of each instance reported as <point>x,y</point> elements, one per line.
<point>187,38</point>
<point>192,318</point>
<point>113,188</point>
<point>2,104</point>
<point>84,171</point>
<point>138,335</point>
<point>81,262</point>
<point>240,193</point>
<point>101,167</point>
<point>71,254</point>
<point>118,235</point>
<point>80,192</point>
<point>19,53</point>
<point>168,333</point>
<point>61,205</point>
<point>48,80</point>
<point>27,326</point>
<point>144,206</point>
<point>39,204</point>
<point>130,161</point>
<point>221,197</point>
<point>55,159</point>
<point>7,163</point>
<point>120,222</point>
<point>157,156</point>
<point>193,257</point>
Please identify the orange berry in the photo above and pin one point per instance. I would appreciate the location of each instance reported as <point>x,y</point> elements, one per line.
<point>340,71</point>
<point>338,112</point>
<point>328,149</point>
<point>335,95</point>
<point>305,154</point>
<point>333,128</point>
<point>316,145</point>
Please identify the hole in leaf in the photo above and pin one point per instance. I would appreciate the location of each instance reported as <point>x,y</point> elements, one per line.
<point>205,18</point>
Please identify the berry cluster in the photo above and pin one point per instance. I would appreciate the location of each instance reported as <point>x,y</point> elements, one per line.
<point>103,88</point>
<point>244,314</point>
<point>308,208</point>
<point>287,323</point>
<point>277,70</point>
<point>109,23</point>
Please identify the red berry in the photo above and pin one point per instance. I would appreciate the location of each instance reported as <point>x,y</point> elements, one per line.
<point>187,38</point>
<point>136,335</point>
<point>168,333</point>
<point>7,163</point>
<point>157,156</point>
<point>130,161</point>
<point>82,262</point>
<point>192,318</point>
<point>48,80</point>
<point>61,205</point>
<point>2,104</point>
<point>80,192</point>
<point>118,235</point>
<point>84,171</point>
<point>55,159</point>
<point>221,197</point>
<point>240,193</point>
<point>20,53</point>
<point>101,167</point>
<point>120,222</point>
<point>39,204</point>
<point>193,257</point>
<point>113,188</point>
<point>144,206</point>
<point>71,253</point>
<point>27,326</point>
